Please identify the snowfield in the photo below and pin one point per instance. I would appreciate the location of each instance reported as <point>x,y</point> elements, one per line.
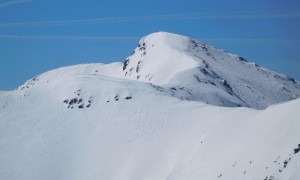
<point>179,120</point>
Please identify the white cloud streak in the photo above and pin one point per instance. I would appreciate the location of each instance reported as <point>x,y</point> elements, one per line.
<point>170,17</point>
<point>9,3</point>
<point>32,37</point>
<point>251,39</point>
<point>47,37</point>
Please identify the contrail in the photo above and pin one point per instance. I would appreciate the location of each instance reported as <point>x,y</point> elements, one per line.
<point>8,3</point>
<point>170,17</point>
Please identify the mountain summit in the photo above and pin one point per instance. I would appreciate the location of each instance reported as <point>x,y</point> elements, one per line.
<point>191,70</point>
<point>153,117</point>
<point>195,71</point>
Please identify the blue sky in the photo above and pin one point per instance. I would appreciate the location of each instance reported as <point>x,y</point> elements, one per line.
<point>40,35</point>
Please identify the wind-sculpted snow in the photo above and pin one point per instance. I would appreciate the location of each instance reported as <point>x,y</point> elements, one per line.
<point>165,119</point>
<point>133,130</point>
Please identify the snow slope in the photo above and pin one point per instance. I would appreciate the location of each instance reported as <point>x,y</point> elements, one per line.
<point>69,125</point>
<point>203,73</point>
<point>99,121</point>
<point>189,69</point>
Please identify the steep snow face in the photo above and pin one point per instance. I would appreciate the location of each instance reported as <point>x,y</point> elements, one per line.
<point>158,58</point>
<point>190,69</point>
<point>73,123</point>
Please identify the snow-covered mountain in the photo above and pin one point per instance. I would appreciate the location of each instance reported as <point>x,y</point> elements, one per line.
<point>148,118</point>
<point>193,70</point>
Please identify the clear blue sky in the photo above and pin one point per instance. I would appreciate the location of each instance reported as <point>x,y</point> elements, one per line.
<point>40,35</point>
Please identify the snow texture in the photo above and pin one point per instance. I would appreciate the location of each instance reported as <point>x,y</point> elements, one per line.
<point>203,73</point>
<point>157,121</point>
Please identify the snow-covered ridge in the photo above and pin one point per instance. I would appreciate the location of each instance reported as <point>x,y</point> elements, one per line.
<point>189,69</point>
<point>203,73</point>
<point>87,126</point>
<point>99,121</point>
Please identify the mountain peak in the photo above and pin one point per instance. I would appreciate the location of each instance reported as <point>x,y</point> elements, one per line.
<point>204,73</point>
<point>176,41</point>
<point>159,57</point>
<point>188,69</point>
<point>89,121</point>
